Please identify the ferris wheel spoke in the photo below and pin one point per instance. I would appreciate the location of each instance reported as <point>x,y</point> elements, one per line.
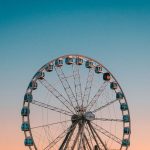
<point>104,106</point>
<point>57,94</point>
<point>94,137</point>
<point>97,95</point>
<point>86,139</point>
<point>52,144</point>
<point>77,136</point>
<point>68,136</point>
<point>58,138</point>
<point>94,131</point>
<point>83,142</point>
<point>107,133</point>
<point>88,86</point>
<point>66,85</point>
<point>106,119</point>
<point>41,104</point>
<point>81,137</point>
<point>90,135</point>
<point>47,125</point>
<point>77,84</point>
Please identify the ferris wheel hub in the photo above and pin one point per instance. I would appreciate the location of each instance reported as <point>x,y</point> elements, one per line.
<point>87,116</point>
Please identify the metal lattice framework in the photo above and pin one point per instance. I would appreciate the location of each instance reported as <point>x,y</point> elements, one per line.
<point>75,103</point>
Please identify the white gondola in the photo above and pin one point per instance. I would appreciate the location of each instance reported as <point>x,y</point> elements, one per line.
<point>89,64</point>
<point>69,60</point>
<point>59,62</point>
<point>106,76</point>
<point>126,118</point>
<point>98,69</point>
<point>79,60</point>
<point>125,142</point>
<point>126,130</point>
<point>40,75</point>
<point>28,141</point>
<point>119,95</point>
<point>25,126</point>
<point>113,85</point>
<point>124,106</point>
<point>25,111</point>
<point>28,97</point>
<point>49,67</point>
<point>33,85</point>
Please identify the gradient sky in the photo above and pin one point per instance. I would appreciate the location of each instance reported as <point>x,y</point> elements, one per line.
<point>116,33</point>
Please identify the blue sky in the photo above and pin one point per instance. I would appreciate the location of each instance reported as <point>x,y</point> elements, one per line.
<point>116,33</point>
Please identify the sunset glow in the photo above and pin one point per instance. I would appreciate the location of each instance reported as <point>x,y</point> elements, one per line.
<point>115,33</point>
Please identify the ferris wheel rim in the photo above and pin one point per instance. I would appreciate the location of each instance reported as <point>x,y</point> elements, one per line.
<point>85,57</point>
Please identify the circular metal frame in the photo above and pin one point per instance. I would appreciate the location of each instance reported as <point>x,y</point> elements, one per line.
<point>79,106</point>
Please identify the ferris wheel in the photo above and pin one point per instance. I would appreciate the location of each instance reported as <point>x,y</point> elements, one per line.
<point>75,103</point>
